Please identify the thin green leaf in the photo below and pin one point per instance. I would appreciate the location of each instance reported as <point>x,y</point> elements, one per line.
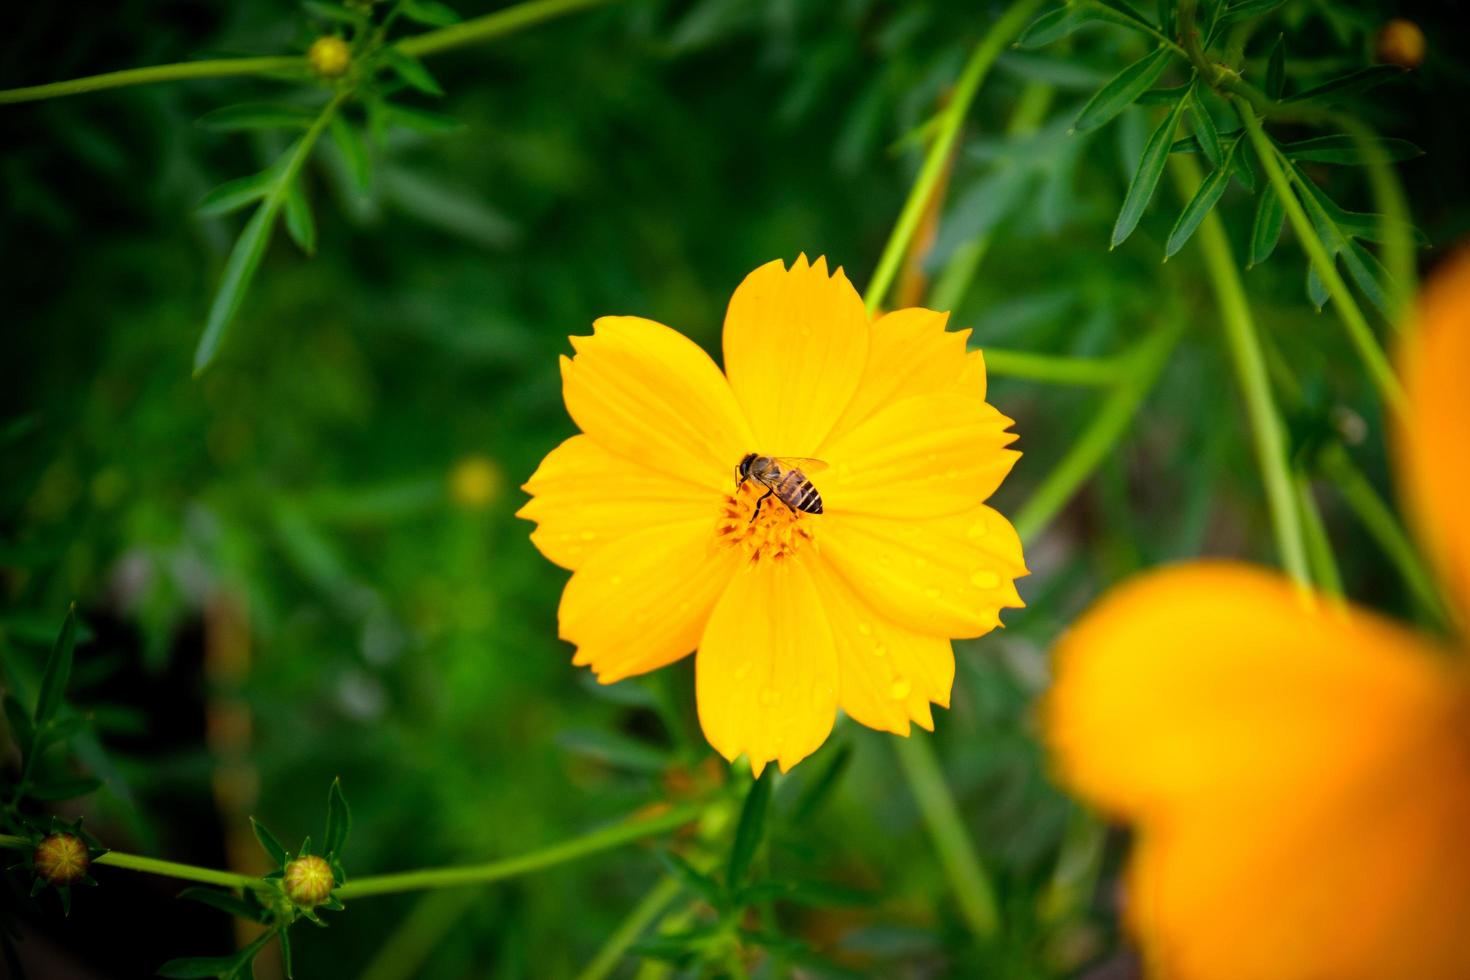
<point>1276,68</point>
<point>273,847</point>
<point>1163,96</point>
<point>334,13</point>
<point>1316,288</point>
<point>1146,178</point>
<point>58,670</point>
<point>1122,91</point>
<point>257,115</point>
<point>420,120</point>
<point>64,789</point>
<point>1266,231</point>
<point>240,269</point>
<point>354,151</point>
<point>1248,8</point>
<point>1054,25</point>
<point>339,820</point>
<point>21,730</point>
<point>1206,133</point>
<point>818,894</point>
<point>821,784</point>
<point>411,70</point>
<point>1369,275</point>
<point>305,849</point>
<point>1353,83</point>
<point>226,902</point>
<point>1350,152</point>
<point>694,881</point>
<point>299,221</point>
<point>1245,167</point>
<point>430,13</point>
<point>1200,205</point>
<point>1120,12</point>
<point>750,830</point>
<point>235,194</point>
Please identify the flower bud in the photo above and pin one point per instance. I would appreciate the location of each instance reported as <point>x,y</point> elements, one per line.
<point>329,56</point>
<point>61,859</point>
<point>1400,42</point>
<point>309,881</point>
<point>475,482</point>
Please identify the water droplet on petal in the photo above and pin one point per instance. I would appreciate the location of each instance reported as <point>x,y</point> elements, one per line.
<point>932,593</point>
<point>589,535</point>
<point>984,578</point>
<point>617,580</point>
<point>864,629</point>
<point>900,688</point>
<point>879,650</point>
<point>742,671</point>
<point>978,530</point>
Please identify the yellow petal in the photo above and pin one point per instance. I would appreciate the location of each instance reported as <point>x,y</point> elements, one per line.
<point>946,576</point>
<point>888,675</point>
<point>920,457</point>
<point>1299,775</point>
<point>796,343</point>
<point>583,497</point>
<point>642,601</point>
<point>651,395</point>
<point>911,353</point>
<point>766,671</point>
<point>1435,450</point>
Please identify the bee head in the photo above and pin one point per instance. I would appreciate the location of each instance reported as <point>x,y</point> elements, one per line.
<point>744,467</point>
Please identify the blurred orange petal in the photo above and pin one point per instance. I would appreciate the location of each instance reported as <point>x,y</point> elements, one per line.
<point>1434,445</point>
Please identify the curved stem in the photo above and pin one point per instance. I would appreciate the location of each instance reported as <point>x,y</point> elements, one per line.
<point>1001,33</point>
<point>643,915</point>
<point>967,877</point>
<point>1319,546</point>
<point>477,874</point>
<point>491,26</point>
<point>1053,369</point>
<point>1352,317</point>
<point>156,866</point>
<point>219,68</point>
<point>1267,432</point>
<point>1390,202</point>
<point>1141,369</point>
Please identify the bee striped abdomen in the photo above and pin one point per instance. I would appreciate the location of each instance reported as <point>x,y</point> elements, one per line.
<point>797,492</point>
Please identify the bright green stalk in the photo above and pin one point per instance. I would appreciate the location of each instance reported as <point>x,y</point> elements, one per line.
<point>219,68</point>
<point>169,869</point>
<point>1141,369</point>
<point>1052,369</point>
<point>1001,33</point>
<point>643,915</point>
<point>1267,431</point>
<point>1319,545</point>
<point>491,26</point>
<point>1352,317</point>
<point>1389,201</point>
<point>967,877</point>
<point>477,874</point>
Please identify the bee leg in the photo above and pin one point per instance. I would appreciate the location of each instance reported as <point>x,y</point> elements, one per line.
<point>756,513</point>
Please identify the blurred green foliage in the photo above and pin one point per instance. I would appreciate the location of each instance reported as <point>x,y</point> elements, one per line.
<point>317,534</point>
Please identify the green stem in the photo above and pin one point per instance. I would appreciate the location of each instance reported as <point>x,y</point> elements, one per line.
<point>220,68</point>
<point>169,869</point>
<point>1001,33</point>
<point>415,937</point>
<point>1052,369</point>
<point>643,915</point>
<point>967,877</point>
<point>476,874</point>
<point>1390,202</point>
<point>1267,432</point>
<point>1143,367</point>
<point>1352,317</point>
<point>491,26</point>
<point>1319,546</point>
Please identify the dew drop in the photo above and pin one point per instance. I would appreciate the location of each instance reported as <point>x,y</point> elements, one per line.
<point>932,593</point>
<point>984,579</point>
<point>951,474</point>
<point>864,629</point>
<point>879,650</point>
<point>900,688</point>
<point>742,671</point>
<point>617,580</point>
<point>977,530</point>
<point>589,535</point>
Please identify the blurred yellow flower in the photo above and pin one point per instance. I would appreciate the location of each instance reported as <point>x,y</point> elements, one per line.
<point>329,56</point>
<point>794,614</point>
<point>1298,774</point>
<point>475,482</point>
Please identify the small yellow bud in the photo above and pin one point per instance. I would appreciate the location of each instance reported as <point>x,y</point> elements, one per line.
<point>309,881</point>
<point>1400,42</point>
<point>330,56</point>
<point>475,482</point>
<point>61,859</point>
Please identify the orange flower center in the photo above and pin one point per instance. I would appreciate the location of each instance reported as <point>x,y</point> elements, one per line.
<point>776,532</point>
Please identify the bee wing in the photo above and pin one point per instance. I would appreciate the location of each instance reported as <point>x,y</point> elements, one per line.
<point>804,463</point>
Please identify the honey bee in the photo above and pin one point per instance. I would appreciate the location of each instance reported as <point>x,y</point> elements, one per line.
<point>784,479</point>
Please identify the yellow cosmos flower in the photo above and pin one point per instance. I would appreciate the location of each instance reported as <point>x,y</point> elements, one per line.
<point>1298,774</point>
<point>794,614</point>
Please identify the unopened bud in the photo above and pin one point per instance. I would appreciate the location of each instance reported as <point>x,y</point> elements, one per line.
<point>329,56</point>
<point>1400,42</point>
<point>61,859</point>
<point>309,881</point>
